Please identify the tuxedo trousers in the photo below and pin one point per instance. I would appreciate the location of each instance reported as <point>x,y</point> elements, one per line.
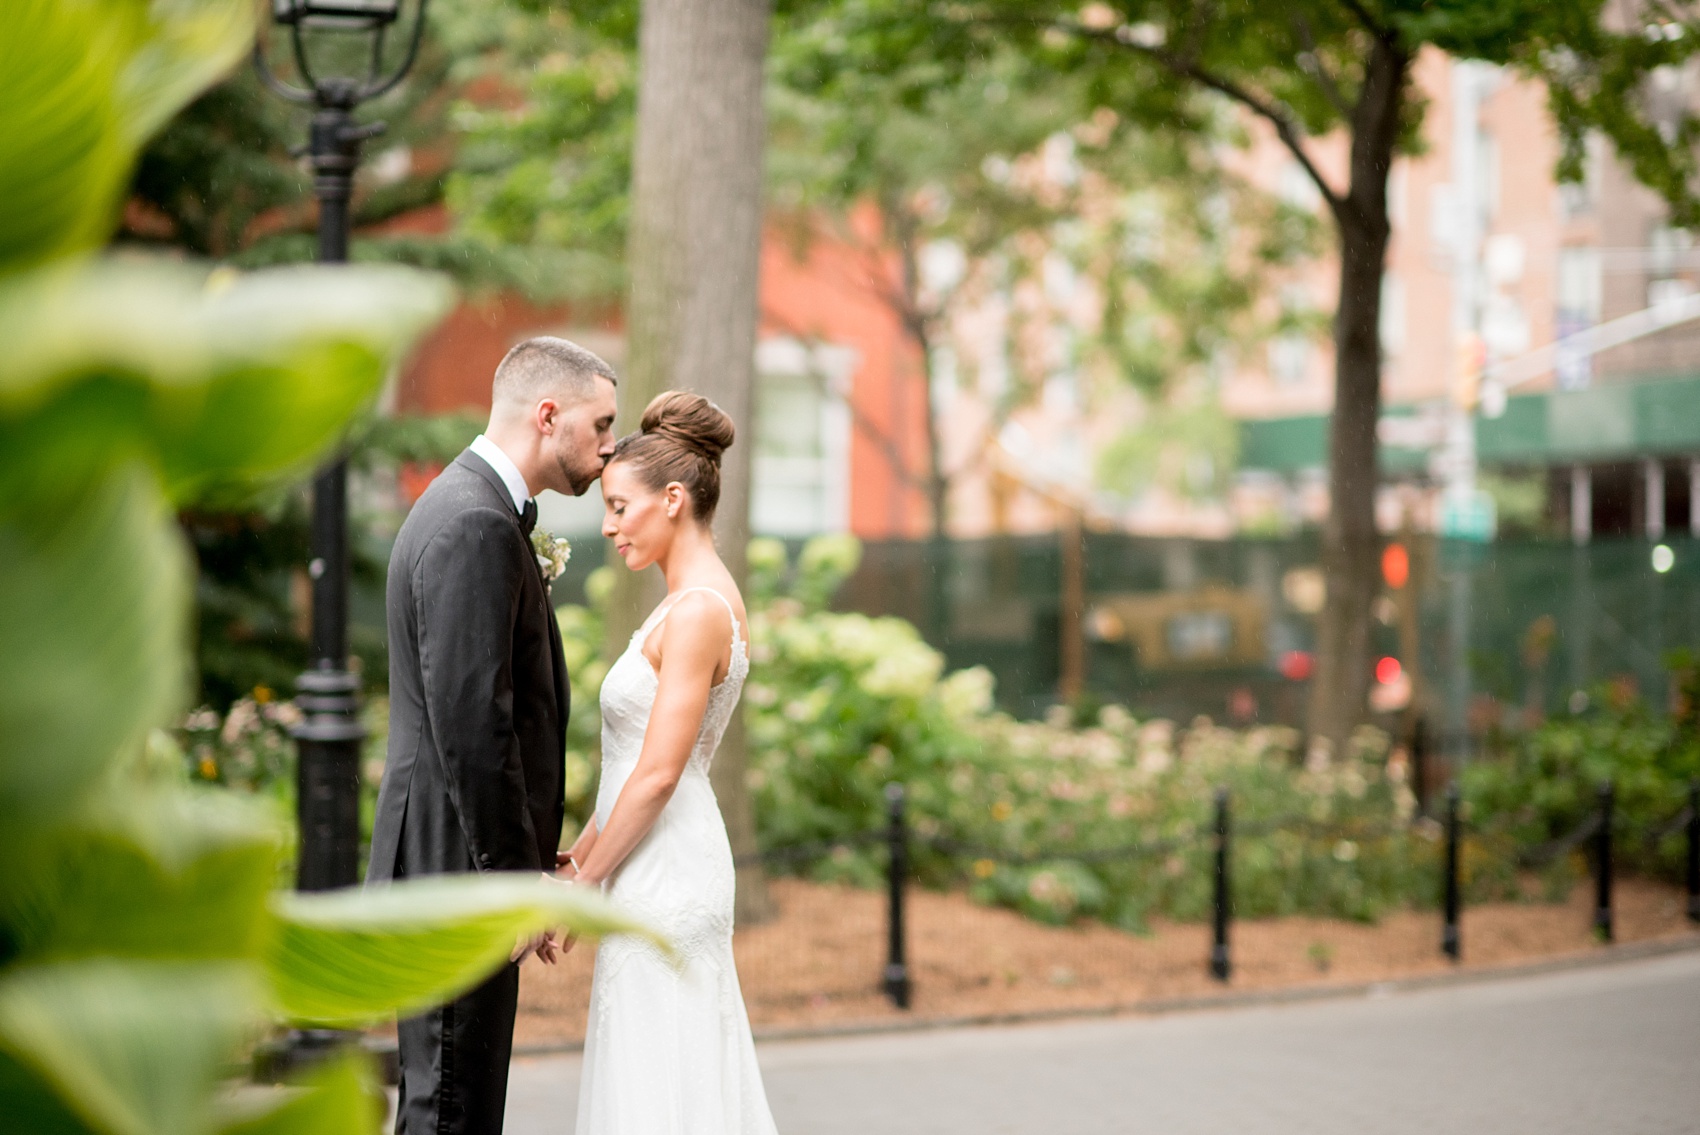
<point>454,1062</point>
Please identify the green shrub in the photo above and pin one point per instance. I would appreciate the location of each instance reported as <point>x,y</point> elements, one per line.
<point>838,705</point>
<point>250,751</point>
<point>1541,786</point>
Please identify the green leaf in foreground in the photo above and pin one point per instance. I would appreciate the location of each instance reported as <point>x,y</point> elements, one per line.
<point>90,647</point>
<point>128,1048</point>
<point>82,85</point>
<point>182,49</point>
<point>353,956</point>
<point>149,871</point>
<point>218,382</point>
<point>63,151</point>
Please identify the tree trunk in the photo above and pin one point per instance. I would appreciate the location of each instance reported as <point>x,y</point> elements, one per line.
<point>938,502</point>
<point>936,625</point>
<point>1071,625</point>
<point>694,256</point>
<point>1350,543</point>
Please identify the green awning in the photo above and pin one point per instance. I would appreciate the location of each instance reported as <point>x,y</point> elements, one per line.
<point>1657,418</point>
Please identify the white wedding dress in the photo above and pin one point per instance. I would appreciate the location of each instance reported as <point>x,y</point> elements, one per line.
<point>668,1050</point>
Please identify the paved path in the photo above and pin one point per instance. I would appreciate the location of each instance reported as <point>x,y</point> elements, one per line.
<point>1613,1049</point>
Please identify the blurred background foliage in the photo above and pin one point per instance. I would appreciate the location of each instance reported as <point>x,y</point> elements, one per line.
<point>513,137</point>
<point>251,585</point>
<point>508,167</point>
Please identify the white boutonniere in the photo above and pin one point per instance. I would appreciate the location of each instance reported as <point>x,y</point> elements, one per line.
<point>553,552</point>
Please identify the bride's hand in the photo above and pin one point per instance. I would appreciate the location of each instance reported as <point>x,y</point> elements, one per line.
<point>565,867</point>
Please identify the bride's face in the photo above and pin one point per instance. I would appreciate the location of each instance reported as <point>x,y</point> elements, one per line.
<point>640,520</point>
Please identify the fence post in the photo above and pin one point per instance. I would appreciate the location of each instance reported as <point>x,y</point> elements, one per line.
<point>1694,851</point>
<point>1220,964</point>
<point>1602,864</point>
<point>1450,943</point>
<point>896,983</point>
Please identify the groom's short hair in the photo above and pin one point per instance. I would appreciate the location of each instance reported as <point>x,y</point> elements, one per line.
<point>546,366</point>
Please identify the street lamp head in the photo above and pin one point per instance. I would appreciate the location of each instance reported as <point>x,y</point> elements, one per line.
<point>341,15</point>
<point>345,20</point>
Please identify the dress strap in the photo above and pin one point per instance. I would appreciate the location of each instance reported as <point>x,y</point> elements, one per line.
<point>668,606</point>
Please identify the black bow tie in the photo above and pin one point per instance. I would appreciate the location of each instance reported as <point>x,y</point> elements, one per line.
<point>528,516</point>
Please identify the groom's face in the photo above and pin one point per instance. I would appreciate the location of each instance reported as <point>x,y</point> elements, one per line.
<point>582,440</point>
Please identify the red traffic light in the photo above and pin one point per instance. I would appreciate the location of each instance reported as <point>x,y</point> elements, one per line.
<point>1396,566</point>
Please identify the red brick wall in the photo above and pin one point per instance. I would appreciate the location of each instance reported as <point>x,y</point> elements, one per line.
<point>830,289</point>
<point>826,289</point>
<point>451,369</point>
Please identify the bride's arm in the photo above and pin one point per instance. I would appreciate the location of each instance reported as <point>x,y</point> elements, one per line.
<point>693,639</point>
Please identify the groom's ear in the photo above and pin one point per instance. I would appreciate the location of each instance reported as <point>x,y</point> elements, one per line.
<point>546,416</point>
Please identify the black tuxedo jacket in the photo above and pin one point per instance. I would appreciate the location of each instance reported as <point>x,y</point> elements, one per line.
<point>478,690</point>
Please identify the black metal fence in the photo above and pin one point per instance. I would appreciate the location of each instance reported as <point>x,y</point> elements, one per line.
<point>1596,834</point>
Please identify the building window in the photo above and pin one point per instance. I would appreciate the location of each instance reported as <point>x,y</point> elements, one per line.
<point>801,475</point>
<point>1669,259</point>
<point>1580,197</point>
<point>1579,285</point>
<point>1397,192</point>
<point>1578,309</point>
<point>1487,178</point>
<point>1392,315</point>
<point>1289,358</point>
<point>1290,351</point>
<point>1294,187</point>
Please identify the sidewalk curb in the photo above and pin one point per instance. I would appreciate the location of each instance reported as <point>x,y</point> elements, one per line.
<point>1232,999</point>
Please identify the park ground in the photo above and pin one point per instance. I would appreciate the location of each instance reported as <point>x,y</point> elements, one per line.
<point>1599,1048</point>
<point>816,967</point>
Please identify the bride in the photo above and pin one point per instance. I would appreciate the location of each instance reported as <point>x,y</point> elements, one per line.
<point>668,1049</point>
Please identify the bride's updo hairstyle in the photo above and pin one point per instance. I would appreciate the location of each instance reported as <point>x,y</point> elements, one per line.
<point>680,438</point>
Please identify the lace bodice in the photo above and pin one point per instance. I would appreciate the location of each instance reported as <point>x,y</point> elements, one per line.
<point>628,695</point>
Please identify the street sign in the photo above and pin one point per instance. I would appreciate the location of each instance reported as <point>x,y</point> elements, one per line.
<point>1468,516</point>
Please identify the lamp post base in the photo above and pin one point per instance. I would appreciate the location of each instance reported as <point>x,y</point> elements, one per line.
<point>299,1051</point>
<point>328,780</point>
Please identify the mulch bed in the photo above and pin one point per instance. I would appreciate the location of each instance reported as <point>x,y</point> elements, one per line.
<point>817,965</point>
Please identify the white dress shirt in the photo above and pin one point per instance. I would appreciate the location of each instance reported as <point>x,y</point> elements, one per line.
<point>505,469</point>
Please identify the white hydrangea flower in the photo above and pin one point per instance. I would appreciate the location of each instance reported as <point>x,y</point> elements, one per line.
<point>909,671</point>
<point>967,693</point>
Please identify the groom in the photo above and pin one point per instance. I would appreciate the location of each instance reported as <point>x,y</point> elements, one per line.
<point>479,699</point>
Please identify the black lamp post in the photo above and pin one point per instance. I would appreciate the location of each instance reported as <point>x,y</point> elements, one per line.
<point>329,736</point>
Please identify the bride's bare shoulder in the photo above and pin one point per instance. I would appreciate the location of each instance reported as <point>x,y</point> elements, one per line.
<point>699,624</point>
<point>708,609</point>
